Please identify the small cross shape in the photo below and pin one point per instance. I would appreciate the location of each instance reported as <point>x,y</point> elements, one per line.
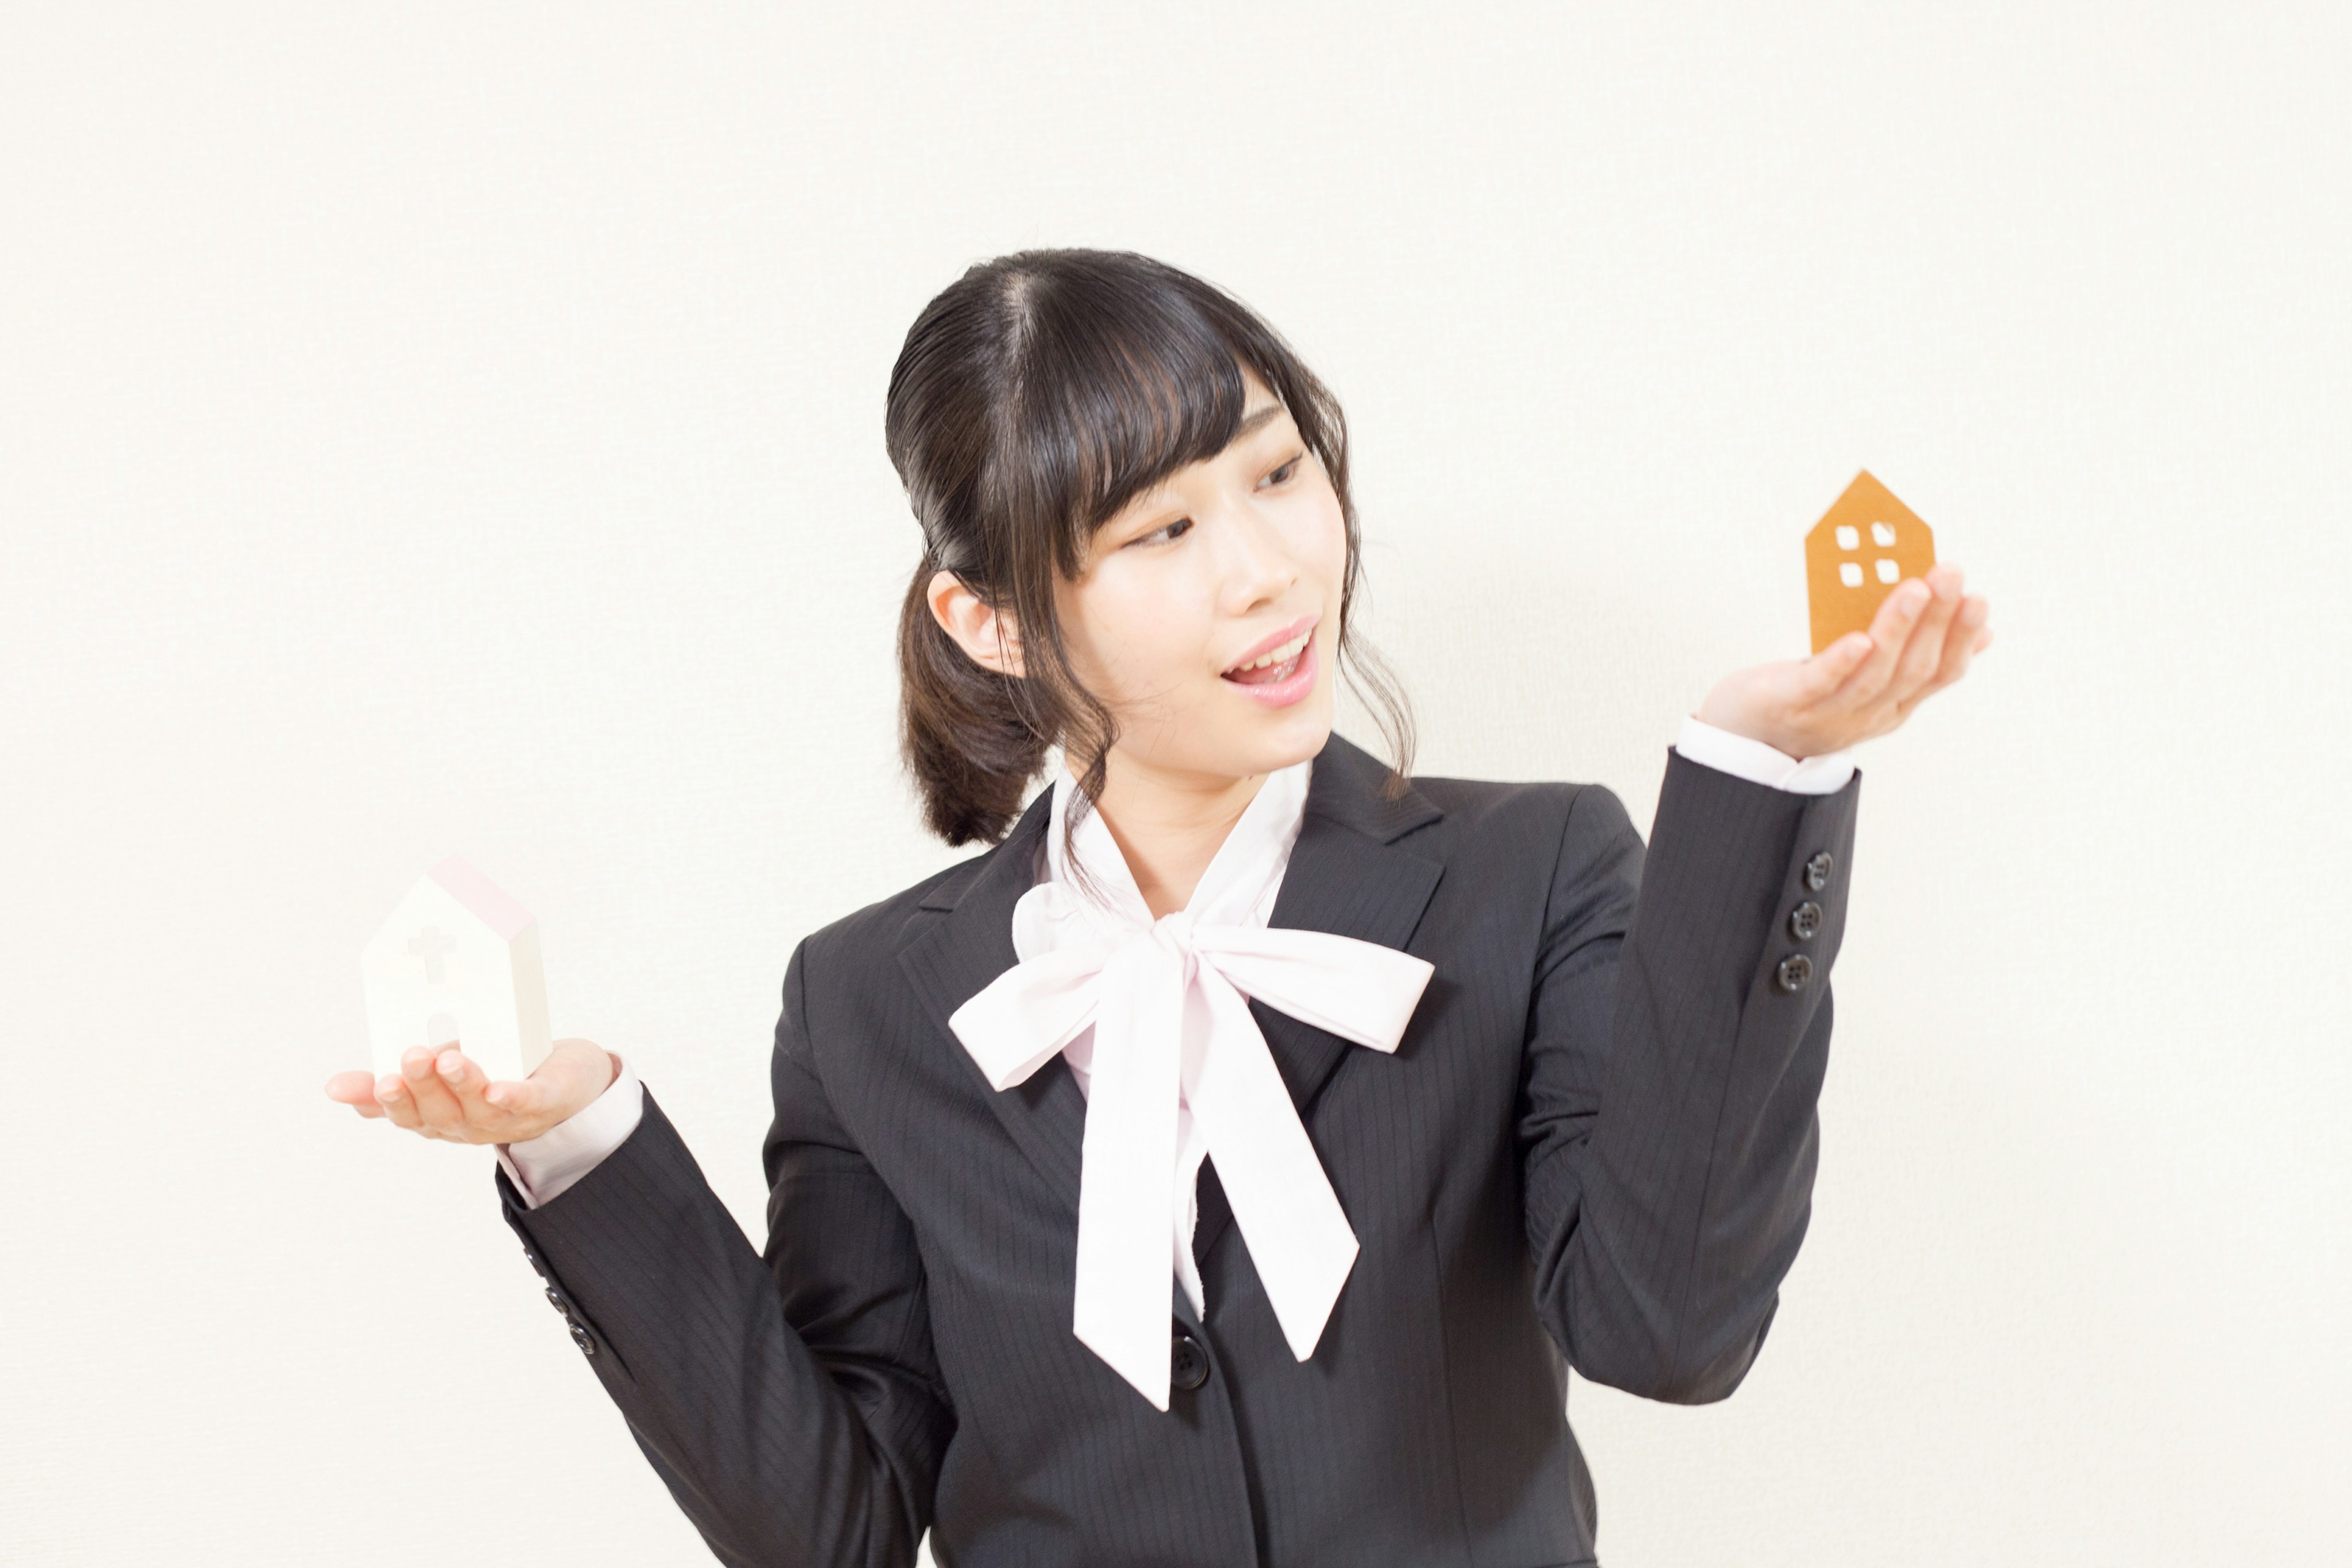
<point>431,945</point>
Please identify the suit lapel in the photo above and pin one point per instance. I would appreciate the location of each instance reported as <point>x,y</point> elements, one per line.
<point>1347,875</point>
<point>964,948</point>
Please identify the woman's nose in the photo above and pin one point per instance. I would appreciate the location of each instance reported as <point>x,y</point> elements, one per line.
<point>1257,568</point>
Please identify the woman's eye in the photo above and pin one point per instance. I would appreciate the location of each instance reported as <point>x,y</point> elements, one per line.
<point>1282,476</point>
<point>1173,530</point>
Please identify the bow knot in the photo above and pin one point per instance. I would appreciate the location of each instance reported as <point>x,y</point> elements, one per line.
<point>1174,933</point>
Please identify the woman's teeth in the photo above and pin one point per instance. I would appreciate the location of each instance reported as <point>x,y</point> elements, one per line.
<point>1282,655</point>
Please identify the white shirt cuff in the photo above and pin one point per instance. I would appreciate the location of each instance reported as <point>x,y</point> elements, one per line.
<point>1753,760</point>
<point>542,1167</point>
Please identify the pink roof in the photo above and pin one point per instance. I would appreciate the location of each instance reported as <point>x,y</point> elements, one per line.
<point>489,903</point>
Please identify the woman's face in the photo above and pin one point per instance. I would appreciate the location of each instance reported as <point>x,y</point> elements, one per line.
<point>1208,607</point>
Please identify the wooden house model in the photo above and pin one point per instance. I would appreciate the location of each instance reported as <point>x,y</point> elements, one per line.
<point>1863,545</point>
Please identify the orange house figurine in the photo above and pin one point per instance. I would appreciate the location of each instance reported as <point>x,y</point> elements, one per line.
<point>1863,545</point>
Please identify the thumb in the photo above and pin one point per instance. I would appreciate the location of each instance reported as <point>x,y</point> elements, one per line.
<point>522,1096</point>
<point>575,1073</point>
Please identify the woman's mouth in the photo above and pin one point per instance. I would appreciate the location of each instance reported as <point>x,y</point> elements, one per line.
<point>1269,668</point>
<point>1281,675</point>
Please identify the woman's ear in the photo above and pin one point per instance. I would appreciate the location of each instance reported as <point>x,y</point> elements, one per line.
<point>989,637</point>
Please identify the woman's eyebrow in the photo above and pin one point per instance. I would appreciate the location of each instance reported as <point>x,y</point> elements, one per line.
<point>1256,419</point>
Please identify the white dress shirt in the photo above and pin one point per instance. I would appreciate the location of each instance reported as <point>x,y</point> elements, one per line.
<point>541,1168</point>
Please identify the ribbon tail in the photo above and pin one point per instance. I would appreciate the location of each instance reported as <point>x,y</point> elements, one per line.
<point>1121,1306</point>
<point>1299,1239</point>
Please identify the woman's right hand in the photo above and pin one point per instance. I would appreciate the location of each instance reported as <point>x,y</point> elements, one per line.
<point>446,1095</point>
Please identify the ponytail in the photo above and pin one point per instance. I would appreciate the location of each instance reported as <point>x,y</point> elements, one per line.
<point>971,749</point>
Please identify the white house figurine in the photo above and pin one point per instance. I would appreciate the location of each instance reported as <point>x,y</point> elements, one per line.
<point>458,960</point>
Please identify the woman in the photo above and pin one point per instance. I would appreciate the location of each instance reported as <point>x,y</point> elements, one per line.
<point>1227,1166</point>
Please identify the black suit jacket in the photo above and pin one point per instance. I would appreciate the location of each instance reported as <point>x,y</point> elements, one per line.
<point>1596,1141</point>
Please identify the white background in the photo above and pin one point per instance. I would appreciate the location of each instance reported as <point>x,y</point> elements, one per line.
<point>458,427</point>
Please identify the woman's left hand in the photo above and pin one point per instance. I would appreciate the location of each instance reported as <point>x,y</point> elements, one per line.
<point>1863,684</point>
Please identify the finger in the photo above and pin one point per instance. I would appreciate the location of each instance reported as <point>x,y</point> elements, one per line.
<point>356,1089</point>
<point>435,1106</point>
<point>487,1120</point>
<point>530,1106</point>
<point>1922,654</point>
<point>575,1073</point>
<point>1960,642</point>
<point>1890,629</point>
<point>399,1105</point>
<point>1966,639</point>
<point>1827,670</point>
<point>1960,645</point>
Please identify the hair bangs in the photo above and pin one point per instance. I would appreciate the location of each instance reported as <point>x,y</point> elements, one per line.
<point>1120,399</point>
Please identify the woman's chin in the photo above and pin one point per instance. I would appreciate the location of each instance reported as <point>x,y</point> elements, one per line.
<point>1277,737</point>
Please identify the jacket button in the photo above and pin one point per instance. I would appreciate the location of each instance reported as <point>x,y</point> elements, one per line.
<point>1817,871</point>
<point>1805,920</point>
<point>1188,1363</point>
<point>584,1340</point>
<point>1795,970</point>
<point>555,1299</point>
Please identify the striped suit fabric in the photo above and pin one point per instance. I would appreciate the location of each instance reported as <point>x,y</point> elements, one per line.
<point>1595,1147</point>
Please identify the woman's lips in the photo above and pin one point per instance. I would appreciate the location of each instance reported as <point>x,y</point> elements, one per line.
<point>1280,685</point>
<point>1276,647</point>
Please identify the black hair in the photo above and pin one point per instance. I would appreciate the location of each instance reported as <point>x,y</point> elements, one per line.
<point>1035,397</point>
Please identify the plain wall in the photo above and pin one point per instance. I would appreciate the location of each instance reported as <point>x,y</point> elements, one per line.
<point>458,428</point>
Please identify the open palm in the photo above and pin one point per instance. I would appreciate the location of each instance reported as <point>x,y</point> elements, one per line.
<point>1865,683</point>
<point>445,1093</point>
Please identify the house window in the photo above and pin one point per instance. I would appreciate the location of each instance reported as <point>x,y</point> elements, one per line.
<point>1850,574</point>
<point>1887,571</point>
<point>1849,536</point>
